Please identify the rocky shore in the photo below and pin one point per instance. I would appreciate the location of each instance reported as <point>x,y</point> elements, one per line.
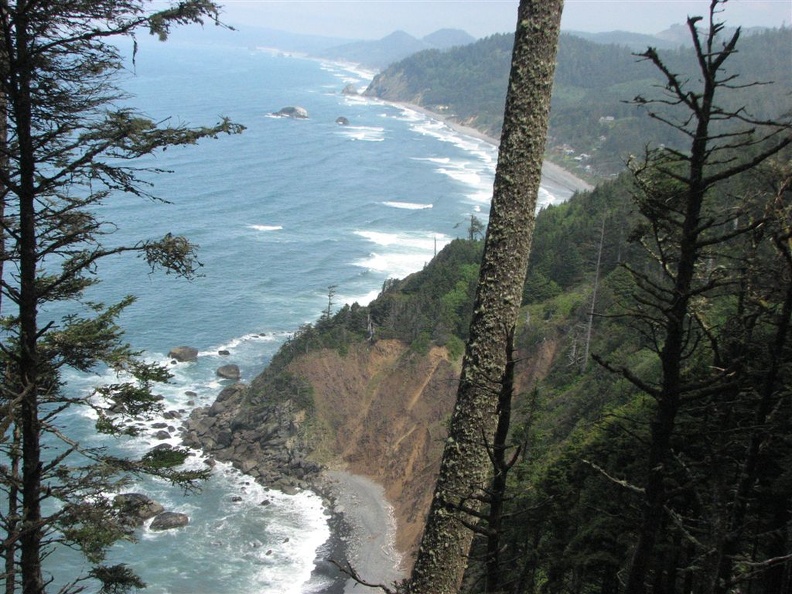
<point>382,417</point>
<point>261,441</point>
<point>264,441</point>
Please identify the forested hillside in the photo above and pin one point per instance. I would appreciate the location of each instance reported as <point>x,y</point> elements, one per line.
<point>593,127</point>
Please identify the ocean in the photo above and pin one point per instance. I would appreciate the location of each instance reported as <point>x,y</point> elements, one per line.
<point>281,213</point>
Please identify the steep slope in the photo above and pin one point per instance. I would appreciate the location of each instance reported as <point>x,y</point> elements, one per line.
<point>381,411</point>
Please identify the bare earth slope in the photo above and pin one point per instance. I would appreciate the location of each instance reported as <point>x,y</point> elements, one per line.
<point>381,411</point>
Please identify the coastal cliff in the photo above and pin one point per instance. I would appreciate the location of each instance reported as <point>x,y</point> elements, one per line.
<point>379,411</point>
<point>368,391</point>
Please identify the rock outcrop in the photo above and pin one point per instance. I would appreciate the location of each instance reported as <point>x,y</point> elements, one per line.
<point>169,520</point>
<point>296,112</point>
<point>135,508</point>
<point>261,439</point>
<point>183,354</point>
<point>342,121</point>
<point>230,372</point>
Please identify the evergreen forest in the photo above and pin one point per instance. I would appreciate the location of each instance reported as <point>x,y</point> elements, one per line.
<point>594,126</point>
<point>581,431</point>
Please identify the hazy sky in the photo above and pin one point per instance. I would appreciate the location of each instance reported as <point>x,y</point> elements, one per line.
<point>373,19</point>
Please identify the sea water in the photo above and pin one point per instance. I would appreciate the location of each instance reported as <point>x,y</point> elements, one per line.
<point>281,213</point>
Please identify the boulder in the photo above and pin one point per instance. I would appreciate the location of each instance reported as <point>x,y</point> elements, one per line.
<point>230,372</point>
<point>342,121</point>
<point>299,113</point>
<point>137,507</point>
<point>350,89</point>
<point>183,354</point>
<point>169,520</point>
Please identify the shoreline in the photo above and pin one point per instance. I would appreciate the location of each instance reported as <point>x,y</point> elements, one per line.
<point>363,530</point>
<point>553,175</point>
<point>363,526</point>
<point>362,523</point>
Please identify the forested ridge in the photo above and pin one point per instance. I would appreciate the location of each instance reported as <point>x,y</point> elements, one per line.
<point>590,115</point>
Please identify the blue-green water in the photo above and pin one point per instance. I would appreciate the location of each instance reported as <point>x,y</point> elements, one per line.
<point>280,212</point>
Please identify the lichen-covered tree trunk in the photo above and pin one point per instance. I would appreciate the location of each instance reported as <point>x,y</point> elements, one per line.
<point>442,556</point>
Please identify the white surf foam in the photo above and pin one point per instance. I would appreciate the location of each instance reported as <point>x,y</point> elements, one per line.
<point>407,205</point>
<point>363,133</point>
<point>400,254</point>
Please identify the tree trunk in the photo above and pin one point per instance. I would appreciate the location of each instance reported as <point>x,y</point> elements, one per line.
<point>31,536</point>
<point>442,556</point>
<point>590,325</point>
<point>501,467</point>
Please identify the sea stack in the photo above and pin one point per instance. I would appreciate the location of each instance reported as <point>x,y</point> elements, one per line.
<point>295,112</point>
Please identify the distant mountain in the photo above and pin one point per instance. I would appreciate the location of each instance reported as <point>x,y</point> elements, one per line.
<point>635,41</point>
<point>396,46</point>
<point>448,38</point>
<point>674,37</point>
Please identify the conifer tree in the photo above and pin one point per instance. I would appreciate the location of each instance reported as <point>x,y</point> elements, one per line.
<point>684,306</point>
<point>67,147</point>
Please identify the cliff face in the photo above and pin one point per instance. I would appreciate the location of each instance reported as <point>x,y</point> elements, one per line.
<point>381,411</point>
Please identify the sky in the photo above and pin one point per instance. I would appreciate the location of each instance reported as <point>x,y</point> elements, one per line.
<point>374,19</point>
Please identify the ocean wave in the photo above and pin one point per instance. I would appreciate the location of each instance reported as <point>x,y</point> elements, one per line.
<point>364,299</point>
<point>439,160</point>
<point>407,205</point>
<point>462,175</point>
<point>265,227</point>
<point>348,72</point>
<point>364,133</point>
<point>407,253</point>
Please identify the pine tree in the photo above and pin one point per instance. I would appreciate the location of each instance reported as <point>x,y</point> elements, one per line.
<point>66,148</point>
<point>691,224</point>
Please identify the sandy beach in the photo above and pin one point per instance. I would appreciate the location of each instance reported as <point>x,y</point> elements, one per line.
<point>555,178</point>
<point>370,547</point>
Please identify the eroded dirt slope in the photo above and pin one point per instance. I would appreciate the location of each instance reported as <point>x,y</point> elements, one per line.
<point>384,412</point>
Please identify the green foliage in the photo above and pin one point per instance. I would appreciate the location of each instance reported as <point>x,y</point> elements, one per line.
<point>173,255</point>
<point>437,300</point>
<point>592,83</point>
<point>421,344</point>
<point>68,146</point>
<point>582,487</point>
<point>116,579</point>
<point>276,385</point>
<point>161,458</point>
<point>93,527</point>
<point>456,347</point>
